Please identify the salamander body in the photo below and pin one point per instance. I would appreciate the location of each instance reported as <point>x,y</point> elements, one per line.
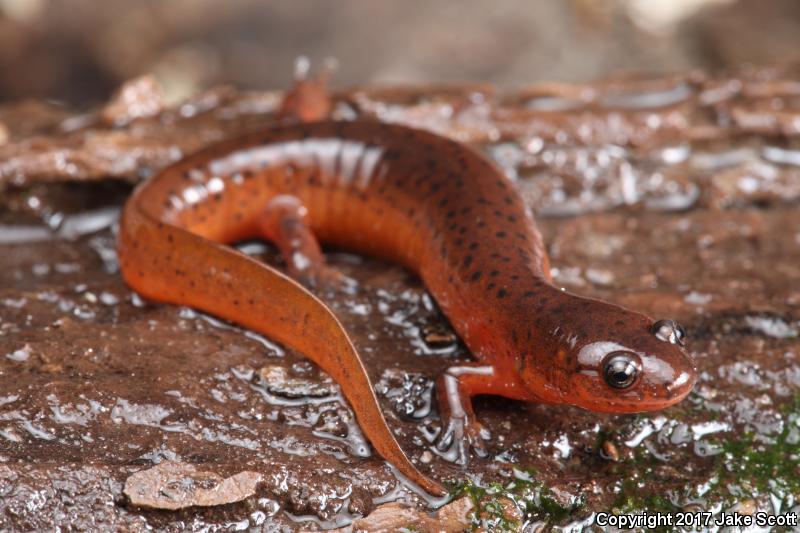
<point>427,202</point>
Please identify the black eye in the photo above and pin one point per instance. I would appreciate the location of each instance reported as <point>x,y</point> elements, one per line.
<point>680,333</point>
<point>669,331</point>
<point>620,369</point>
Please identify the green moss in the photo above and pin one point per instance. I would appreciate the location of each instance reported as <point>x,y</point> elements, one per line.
<point>529,496</point>
<point>756,464</point>
<point>749,466</point>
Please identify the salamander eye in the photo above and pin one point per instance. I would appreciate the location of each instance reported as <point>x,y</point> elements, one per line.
<point>669,331</point>
<point>620,369</point>
<point>680,334</point>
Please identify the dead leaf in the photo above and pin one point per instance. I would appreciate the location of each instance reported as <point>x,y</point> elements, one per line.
<point>453,517</point>
<point>171,485</point>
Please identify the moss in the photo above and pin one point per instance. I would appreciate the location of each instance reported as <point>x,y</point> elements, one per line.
<point>755,464</point>
<point>749,466</point>
<point>525,498</point>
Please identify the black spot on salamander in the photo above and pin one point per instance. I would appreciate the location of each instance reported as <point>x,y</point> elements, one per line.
<point>236,303</point>
<point>186,175</point>
<point>462,230</point>
<point>515,277</point>
<point>465,210</point>
<point>251,301</point>
<point>192,284</point>
<point>527,294</point>
<point>619,323</point>
<point>436,186</point>
<point>511,218</point>
<point>505,259</point>
<point>475,276</point>
<point>468,261</point>
<point>498,213</point>
<point>452,227</point>
<point>495,255</point>
<point>481,224</point>
<point>218,196</point>
<point>500,234</point>
<point>494,273</point>
<point>459,242</point>
<point>508,200</point>
<point>443,202</point>
<point>431,164</point>
<point>459,183</point>
<point>483,201</point>
<point>450,214</point>
<point>501,293</point>
<point>500,183</point>
<point>491,286</point>
<point>170,239</point>
<point>474,246</point>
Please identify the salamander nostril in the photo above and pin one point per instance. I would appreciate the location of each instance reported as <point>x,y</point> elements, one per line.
<point>669,331</point>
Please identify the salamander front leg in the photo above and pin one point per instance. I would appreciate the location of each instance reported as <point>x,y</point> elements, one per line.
<point>285,222</point>
<point>460,429</point>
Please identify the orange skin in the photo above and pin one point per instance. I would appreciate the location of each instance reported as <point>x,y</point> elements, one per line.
<point>427,202</point>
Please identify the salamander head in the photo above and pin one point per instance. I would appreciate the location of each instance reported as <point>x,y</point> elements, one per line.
<point>618,361</point>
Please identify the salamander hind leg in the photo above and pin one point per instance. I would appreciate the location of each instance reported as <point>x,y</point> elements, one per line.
<point>285,222</point>
<point>308,99</point>
<point>461,430</point>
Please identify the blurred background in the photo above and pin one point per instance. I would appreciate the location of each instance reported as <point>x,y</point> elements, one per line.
<point>78,51</point>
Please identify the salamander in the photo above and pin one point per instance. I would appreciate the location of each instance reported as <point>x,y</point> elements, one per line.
<point>435,206</point>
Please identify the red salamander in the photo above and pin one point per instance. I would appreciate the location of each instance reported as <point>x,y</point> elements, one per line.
<point>435,206</point>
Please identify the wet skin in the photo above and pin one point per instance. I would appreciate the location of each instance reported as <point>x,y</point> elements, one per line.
<point>409,196</point>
